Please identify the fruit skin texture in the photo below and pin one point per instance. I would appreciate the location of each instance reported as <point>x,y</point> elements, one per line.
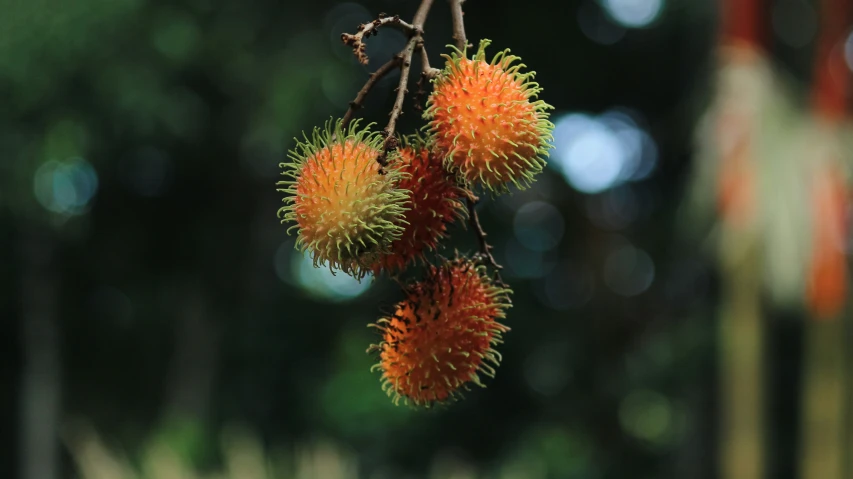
<point>436,201</point>
<point>440,337</point>
<point>346,211</point>
<point>484,116</point>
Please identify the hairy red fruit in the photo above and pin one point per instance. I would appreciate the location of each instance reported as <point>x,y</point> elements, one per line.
<point>435,202</point>
<point>440,337</point>
<point>484,116</point>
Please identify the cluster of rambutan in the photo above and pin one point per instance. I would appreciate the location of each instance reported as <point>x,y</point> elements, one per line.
<point>484,129</point>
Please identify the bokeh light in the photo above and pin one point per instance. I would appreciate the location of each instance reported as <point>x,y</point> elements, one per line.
<point>147,171</point>
<point>320,283</point>
<point>640,151</point>
<point>634,13</point>
<point>175,35</point>
<point>569,285</point>
<point>523,262</point>
<point>66,187</point>
<point>596,25</point>
<point>546,368</point>
<point>628,270</point>
<point>539,226</point>
<point>595,153</point>
<point>848,50</point>
<point>614,209</point>
<point>112,306</point>
<point>646,415</point>
<point>795,22</point>
<point>688,281</point>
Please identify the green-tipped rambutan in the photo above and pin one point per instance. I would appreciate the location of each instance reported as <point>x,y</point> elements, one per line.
<point>441,337</point>
<point>348,211</point>
<point>484,115</point>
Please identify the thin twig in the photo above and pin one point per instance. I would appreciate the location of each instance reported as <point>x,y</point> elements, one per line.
<point>485,253</point>
<point>371,82</point>
<point>391,142</point>
<point>485,247</point>
<point>458,24</point>
<point>426,70</point>
<point>427,74</point>
<point>365,30</point>
<point>402,59</point>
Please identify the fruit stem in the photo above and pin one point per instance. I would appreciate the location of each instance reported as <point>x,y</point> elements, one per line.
<point>485,248</point>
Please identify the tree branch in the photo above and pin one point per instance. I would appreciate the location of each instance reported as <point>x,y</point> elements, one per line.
<point>402,59</point>
<point>405,59</point>
<point>427,74</point>
<point>458,24</point>
<point>485,253</point>
<point>365,30</point>
<point>391,142</point>
<point>371,82</point>
<point>420,16</point>
<point>474,218</point>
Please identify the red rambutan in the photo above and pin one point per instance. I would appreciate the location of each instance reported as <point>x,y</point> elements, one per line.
<point>435,202</point>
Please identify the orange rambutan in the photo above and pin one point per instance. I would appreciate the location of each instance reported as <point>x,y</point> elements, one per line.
<point>483,116</point>
<point>347,210</point>
<point>439,339</point>
<point>435,202</point>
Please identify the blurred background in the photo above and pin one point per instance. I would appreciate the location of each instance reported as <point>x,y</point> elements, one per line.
<point>680,269</point>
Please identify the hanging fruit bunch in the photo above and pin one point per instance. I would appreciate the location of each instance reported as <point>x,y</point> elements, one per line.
<point>364,201</point>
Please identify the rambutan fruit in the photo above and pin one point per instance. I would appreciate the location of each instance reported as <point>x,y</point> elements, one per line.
<point>484,117</point>
<point>435,202</point>
<point>440,337</point>
<point>347,209</point>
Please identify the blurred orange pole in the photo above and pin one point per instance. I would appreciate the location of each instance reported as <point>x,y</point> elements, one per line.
<point>823,398</point>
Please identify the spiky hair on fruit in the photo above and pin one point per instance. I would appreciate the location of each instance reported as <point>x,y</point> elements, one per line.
<point>346,208</point>
<point>484,115</point>
<point>436,201</point>
<point>441,336</point>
